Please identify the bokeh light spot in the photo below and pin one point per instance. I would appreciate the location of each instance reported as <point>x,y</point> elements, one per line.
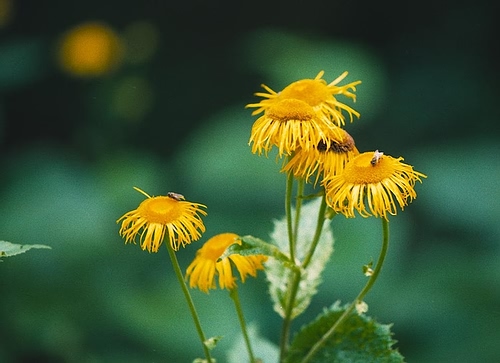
<point>90,49</point>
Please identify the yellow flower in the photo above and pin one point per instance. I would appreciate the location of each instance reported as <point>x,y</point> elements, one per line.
<point>316,93</point>
<point>90,49</point>
<point>201,272</point>
<point>372,183</point>
<point>289,124</point>
<point>324,159</point>
<point>157,216</point>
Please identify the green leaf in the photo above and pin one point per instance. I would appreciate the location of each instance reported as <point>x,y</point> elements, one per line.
<point>264,350</point>
<point>254,246</point>
<point>358,339</point>
<point>279,275</point>
<point>8,249</point>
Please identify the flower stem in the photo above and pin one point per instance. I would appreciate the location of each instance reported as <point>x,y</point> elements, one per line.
<point>317,233</point>
<point>234,295</point>
<point>288,211</point>
<point>189,300</point>
<point>295,279</point>
<point>359,298</point>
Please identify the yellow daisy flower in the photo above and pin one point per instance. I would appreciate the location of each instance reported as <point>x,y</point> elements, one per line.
<point>316,93</point>
<point>288,124</point>
<point>201,272</point>
<point>324,159</point>
<point>372,183</point>
<point>157,216</point>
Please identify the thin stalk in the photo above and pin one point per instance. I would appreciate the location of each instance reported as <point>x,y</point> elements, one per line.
<point>317,233</point>
<point>359,298</point>
<point>189,300</point>
<point>236,299</point>
<point>298,206</point>
<point>295,278</point>
<point>288,211</point>
<point>295,281</point>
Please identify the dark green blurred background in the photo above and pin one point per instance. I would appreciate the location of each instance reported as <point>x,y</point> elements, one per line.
<point>169,116</point>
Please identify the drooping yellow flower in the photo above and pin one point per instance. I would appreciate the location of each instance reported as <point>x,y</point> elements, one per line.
<point>201,272</point>
<point>90,49</point>
<point>373,184</point>
<point>289,124</point>
<point>316,93</point>
<point>323,159</point>
<point>156,216</point>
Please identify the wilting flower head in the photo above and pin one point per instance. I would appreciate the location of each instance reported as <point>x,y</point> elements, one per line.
<point>201,272</point>
<point>157,216</point>
<point>325,159</point>
<point>317,94</point>
<point>372,183</point>
<point>289,124</point>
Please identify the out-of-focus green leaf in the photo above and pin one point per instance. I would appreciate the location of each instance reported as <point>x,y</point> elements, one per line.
<point>263,349</point>
<point>358,339</point>
<point>8,249</point>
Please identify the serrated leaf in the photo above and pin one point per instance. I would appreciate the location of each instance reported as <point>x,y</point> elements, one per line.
<point>279,275</point>
<point>8,249</point>
<point>358,339</point>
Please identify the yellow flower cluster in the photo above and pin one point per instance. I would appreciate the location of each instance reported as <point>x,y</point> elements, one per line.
<point>305,121</point>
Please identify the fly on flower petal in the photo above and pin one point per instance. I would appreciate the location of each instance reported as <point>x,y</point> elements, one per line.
<point>175,196</point>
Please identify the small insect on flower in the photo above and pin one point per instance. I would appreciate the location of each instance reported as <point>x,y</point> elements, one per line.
<point>175,196</point>
<point>376,157</point>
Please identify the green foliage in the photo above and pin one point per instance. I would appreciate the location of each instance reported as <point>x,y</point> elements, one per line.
<point>262,347</point>
<point>8,249</point>
<point>254,246</point>
<point>279,275</point>
<point>358,339</point>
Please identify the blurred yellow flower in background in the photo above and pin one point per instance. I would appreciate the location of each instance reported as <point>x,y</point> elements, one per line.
<point>201,272</point>
<point>90,49</point>
<point>157,216</point>
<point>372,183</point>
<point>5,12</point>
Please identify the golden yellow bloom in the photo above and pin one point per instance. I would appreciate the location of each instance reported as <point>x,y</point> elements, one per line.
<point>372,183</point>
<point>90,49</point>
<point>323,159</point>
<point>157,216</point>
<point>289,124</point>
<point>201,272</point>
<point>317,94</point>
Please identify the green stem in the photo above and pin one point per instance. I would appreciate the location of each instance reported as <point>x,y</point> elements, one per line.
<point>298,206</point>
<point>189,300</point>
<point>288,211</point>
<point>295,281</point>
<point>234,295</point>
<point>317,233</point>
<point>359,298</point>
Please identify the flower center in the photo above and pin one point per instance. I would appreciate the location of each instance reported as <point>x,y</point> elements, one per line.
<point>312,91</point>
<point>360,170</point>
<point>161,210</point>
<point>291,109</point>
